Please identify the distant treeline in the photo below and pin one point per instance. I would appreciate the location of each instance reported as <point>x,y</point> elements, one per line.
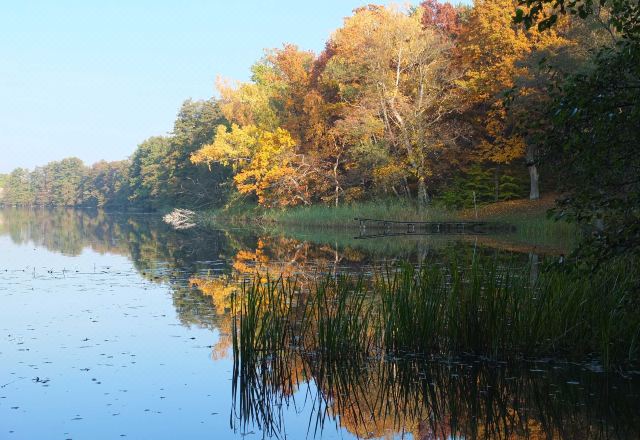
<point>159,173</point>
<point>456,103</point>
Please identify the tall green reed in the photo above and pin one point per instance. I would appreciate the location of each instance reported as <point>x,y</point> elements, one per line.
<point>482,308</point>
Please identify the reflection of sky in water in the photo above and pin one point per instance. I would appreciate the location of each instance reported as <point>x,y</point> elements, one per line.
<point>112,357</point>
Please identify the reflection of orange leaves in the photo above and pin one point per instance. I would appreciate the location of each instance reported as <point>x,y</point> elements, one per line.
<point>220,290</point>
<point>287,257</point>
<point>248,262</point>
<point>296,374</point>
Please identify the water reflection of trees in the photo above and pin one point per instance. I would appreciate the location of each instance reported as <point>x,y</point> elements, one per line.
<point>432,399</point>
<point>66,231</point>
<point>286,360</point>
<point>429,399</point>
<point>203,268</point>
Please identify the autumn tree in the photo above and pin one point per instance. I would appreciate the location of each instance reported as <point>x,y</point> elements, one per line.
<point>397,83</point>
<point>502,77</point>
<point>443,16</point>
<point>271,114</point>
<point>263,162</point>
<point>624,15</point>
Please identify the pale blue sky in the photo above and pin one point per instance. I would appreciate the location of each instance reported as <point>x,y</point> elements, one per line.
<point>93,79</point>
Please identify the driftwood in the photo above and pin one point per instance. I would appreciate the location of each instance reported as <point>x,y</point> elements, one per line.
<point>180,219</point>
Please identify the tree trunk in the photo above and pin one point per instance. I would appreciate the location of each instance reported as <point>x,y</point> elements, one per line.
<point>534,193</point>
<point>337,182</point>
<point>496,183</point>
<point>422,192</point>
<point>406,188</point>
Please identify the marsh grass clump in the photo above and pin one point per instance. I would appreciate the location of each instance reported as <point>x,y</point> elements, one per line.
<point>331,318</point>
<point>499,311</point>
<point>341,315</point>
<point>378,350</point>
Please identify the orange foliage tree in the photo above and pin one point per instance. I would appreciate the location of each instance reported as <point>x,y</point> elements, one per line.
<point>502,77</point>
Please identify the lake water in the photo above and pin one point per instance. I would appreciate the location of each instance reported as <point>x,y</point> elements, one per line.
<point>115,326</point>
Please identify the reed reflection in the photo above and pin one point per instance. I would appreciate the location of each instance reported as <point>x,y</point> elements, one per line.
<point>424,398</point>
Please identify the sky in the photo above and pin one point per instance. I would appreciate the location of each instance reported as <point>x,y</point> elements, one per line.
<point>93,79</point>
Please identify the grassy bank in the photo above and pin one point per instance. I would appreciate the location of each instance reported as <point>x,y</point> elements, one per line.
<point>530,218</point>
<point>343,216</point>
<point>321,223</point>
<point>516,211</point>
<point>325,216</point>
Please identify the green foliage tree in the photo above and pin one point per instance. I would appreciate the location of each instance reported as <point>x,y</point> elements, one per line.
<point>483,184</point>
<point>594,145</point>
<point>186,183</point>
<point>159,173</point>
<point>66,181</point>
<point>18,189</point>
<point>148,177</point>
<point>106,184</point>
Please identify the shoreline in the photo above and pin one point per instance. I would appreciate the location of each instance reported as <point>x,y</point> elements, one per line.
<point>344,216</point>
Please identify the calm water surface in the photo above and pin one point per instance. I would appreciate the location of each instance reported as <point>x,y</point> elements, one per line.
<point>114,326</point>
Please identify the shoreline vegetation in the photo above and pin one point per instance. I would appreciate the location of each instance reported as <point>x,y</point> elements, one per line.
<point>474,307</point>
<point>343,216</point>
<point>530,219</point>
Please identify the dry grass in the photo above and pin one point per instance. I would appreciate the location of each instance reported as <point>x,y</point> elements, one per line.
<point>521,208</point>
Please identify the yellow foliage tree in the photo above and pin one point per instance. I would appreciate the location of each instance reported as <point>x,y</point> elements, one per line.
<point>386,65</point>
<point>264,162</point>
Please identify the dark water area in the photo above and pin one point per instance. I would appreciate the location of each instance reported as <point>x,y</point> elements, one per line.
<point>116,326</point>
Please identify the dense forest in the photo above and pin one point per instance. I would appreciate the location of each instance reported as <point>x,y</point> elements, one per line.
<point>433,104</point>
